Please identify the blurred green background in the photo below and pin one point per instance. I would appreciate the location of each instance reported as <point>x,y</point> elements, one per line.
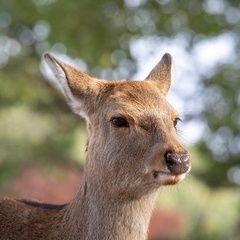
<point>116,39</point>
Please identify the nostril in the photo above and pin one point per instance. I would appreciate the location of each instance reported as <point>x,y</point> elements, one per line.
<point>185,157</point>
<point>170,160</point>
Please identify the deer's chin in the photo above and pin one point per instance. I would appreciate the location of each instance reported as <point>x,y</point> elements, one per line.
<point>164,178</point>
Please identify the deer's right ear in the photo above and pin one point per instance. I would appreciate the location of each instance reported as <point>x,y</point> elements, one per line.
<point>76,86</point>
<point>161,73</point>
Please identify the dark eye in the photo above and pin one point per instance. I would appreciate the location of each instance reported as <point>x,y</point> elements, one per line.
<point>119,122</point>
<point>176,120</point>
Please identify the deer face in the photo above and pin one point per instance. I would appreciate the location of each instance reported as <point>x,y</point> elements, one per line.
<point>133,147</point>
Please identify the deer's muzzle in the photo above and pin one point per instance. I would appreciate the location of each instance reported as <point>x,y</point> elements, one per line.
<point>177,163</point>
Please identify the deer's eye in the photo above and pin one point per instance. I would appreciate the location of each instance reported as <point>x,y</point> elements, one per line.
<point>119,122</point>
<point>175,122</point>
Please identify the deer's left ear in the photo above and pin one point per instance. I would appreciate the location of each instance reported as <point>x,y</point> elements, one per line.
<point>161,73</point>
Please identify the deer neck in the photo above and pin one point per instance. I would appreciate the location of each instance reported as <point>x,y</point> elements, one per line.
<point>93,215</point>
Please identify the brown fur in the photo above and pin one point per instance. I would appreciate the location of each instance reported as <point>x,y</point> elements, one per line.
<point>125,166</point>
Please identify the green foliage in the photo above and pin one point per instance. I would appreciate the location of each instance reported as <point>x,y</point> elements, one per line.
<point>208,214</point>
<point>36,125</point>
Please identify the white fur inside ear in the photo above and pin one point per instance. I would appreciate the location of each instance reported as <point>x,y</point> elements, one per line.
<point>57,77</point>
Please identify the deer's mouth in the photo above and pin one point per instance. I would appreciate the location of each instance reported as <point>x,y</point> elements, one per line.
<point>168,178</point>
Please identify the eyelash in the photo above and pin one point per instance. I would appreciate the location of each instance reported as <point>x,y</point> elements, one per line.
<point>176,120</point>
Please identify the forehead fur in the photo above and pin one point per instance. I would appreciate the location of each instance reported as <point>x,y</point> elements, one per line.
<point>137,92</point>
<point>136,96</point>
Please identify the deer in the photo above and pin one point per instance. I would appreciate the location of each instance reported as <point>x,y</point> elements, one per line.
<point>132,151</point>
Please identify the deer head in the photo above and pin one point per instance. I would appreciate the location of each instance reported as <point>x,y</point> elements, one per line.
<point>133,147</point>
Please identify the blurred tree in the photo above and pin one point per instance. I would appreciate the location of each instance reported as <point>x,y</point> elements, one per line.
<point>101,33</point>
<point>36,125</point>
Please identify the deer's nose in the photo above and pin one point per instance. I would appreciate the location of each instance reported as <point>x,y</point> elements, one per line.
<point>177,163</point>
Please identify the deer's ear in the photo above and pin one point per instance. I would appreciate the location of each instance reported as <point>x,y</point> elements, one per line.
<point>161,73</point>
<point>76,86</point>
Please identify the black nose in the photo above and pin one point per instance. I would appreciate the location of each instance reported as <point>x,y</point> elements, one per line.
<point>177,163</point>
